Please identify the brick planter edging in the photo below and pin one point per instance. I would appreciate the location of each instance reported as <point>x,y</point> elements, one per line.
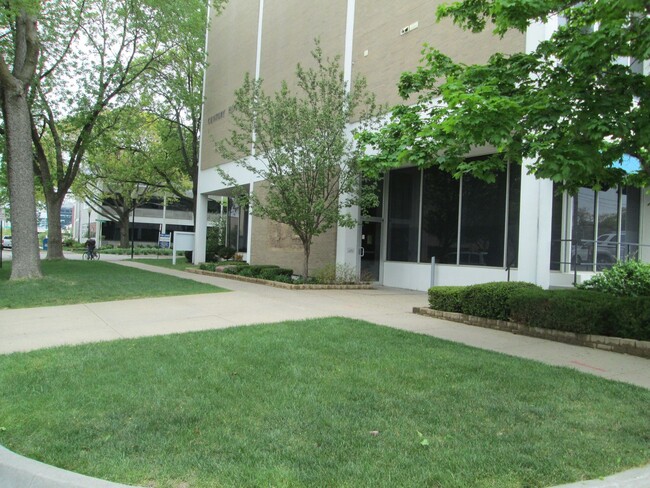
<point>614,344</point>
<point>278,284</point>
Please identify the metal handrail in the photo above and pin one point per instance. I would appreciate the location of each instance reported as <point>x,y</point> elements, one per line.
<point>594,264</point>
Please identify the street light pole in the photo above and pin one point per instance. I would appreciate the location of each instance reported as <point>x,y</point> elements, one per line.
<point>89,210</point>
<point>132,227</point>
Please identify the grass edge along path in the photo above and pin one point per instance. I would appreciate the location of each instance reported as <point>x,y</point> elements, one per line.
<point>67,282</point>
<point>326,402</point>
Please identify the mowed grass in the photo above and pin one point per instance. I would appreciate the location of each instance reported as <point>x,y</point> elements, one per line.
<point>330,402</point>
<point>181,263</point>
<point>67,282</point>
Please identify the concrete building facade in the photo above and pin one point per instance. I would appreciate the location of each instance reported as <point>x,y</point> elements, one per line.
<point>429,229</point>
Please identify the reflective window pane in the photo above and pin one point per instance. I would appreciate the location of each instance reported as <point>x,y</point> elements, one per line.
<point>630,218</point>
<point>556,230</point>
<point>584,227</point>
<point>440,192</point>
<point>514,202</point>
<point>483,222</point>
<point>607,227</point>
<point>403,215</point>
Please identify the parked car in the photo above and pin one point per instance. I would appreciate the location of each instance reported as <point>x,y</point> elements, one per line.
<point>6,242</point>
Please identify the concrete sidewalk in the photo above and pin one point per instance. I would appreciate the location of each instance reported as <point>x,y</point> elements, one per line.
<point>246,303</point>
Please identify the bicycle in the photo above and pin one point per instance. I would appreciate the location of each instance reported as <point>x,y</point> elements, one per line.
<point>90,255</point>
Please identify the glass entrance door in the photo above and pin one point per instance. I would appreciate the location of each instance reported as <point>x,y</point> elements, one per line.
<point>370,250</point>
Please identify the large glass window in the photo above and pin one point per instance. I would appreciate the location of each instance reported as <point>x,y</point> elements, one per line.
<point>483,221</point>
<point>556,230</point>
<point>424,226</point>
<point>630,219</point>
<point>440,193</point>
<point>514,205</point>
<point>584,225</point>
<point>605,227</point>
<point>403,215</point>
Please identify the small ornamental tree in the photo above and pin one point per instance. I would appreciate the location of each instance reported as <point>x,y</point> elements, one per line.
<point>573,107</point>
<point>302,149</point>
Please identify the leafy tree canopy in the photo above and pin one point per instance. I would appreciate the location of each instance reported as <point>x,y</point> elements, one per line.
<point>301,148</point>
<point>573,107</point>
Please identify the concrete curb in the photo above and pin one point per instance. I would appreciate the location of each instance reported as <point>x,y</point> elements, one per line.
<point>20,472</point>
<point>633,478</point>
<point>613,344</point>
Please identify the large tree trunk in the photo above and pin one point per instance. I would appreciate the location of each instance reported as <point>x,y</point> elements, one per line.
<point>54,238</point>
<point>20,171</point>
<point>124,230</point>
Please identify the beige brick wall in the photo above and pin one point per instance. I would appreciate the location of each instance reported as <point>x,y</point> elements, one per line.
<point>274,243</point>
<point>288,33</point>
<point>232,50</point>
<point>381,54</point>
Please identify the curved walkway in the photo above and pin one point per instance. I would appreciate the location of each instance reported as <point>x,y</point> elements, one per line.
<point>29,329</point>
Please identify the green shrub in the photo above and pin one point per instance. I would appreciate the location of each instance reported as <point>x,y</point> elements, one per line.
<point>188,256</point>
<point>226,252</point>
<point>244,271</point>
<point>445,298</point>
<point>491,300</point>
<point>233,270</point>
<point>283,278</point>
<point>256,269</point>
<point>208,266</point>
<point>233,263</point>
<point>625,278</point>
<point>275,272</point>
<point>584,312</point>
<point>336,274</point>
<point>567,310</point>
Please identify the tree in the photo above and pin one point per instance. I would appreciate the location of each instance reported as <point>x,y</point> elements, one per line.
<point>173,92</point>
<point>120,169</point>
<point>106,48</point>
<point>573,107</point>
<point>19,56</point>
<point>301,148</point>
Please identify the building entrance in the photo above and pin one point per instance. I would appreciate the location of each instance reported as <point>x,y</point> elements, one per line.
<point>370,250</point>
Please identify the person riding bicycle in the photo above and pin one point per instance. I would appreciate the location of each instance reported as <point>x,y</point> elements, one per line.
<point>90,247</point>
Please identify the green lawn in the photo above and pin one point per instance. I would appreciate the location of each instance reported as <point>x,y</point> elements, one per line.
<point>331,402</point>
<point>165,262</point>
<point>68,281</point>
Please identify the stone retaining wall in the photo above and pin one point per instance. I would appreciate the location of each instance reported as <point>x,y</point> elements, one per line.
<point>614,344</point>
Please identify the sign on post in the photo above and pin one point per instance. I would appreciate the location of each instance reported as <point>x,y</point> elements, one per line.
<point>183,241</point>
<point>164,240</point>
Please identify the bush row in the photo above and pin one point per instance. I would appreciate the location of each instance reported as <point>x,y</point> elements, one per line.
<point>583,312</point>
<point>263,271</point>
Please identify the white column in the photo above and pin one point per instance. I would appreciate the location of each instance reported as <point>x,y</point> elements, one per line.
<point>200,229</point>
<point>535,218</point>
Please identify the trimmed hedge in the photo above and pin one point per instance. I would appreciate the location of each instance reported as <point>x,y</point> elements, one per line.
<point>446,298</point>
<point>578,311</point>
<point>274,273</point>
<point>568,310</point>
<point>492,300</point>
<point>584,312</point>
<point>488,300</point>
